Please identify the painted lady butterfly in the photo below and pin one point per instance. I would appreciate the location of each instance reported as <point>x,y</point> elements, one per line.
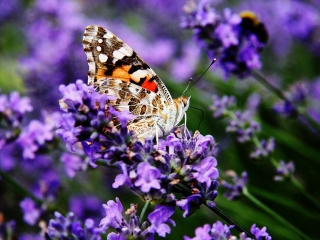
<point>116,70</point>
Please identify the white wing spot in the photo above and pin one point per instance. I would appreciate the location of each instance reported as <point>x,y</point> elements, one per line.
<point>126,50</point>
<point>98,48</point>
<point>108,35</point>
<point>117,55</point>
<point>103,58</point>
<point>137,75</point>
<point>100,40</point>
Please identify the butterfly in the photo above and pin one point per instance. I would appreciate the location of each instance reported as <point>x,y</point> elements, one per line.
<point>116,70</point>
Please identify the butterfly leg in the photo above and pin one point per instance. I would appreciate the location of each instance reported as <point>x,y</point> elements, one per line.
<point>157,136</point>
<point>185,126</point>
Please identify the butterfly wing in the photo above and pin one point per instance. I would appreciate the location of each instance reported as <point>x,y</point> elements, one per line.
<point>116,70</point>
<point>109,56</point>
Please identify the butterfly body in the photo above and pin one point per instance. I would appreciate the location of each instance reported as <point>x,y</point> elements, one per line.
<point>116,70</point>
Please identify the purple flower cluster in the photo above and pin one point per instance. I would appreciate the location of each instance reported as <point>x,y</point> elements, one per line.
<point>242,124</point>
<point>222,231</point>
<point>295,97</point>
<point>151,172</point>
<point>236,40</point>
<point>284,171</point>
<point>264,149</point>
<point>235,189</point>
<point>12,111</point>
<point>70,228</point>
<point>53,34</point>
<point>158,220</point>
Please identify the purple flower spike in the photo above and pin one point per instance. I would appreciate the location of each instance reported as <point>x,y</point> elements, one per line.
<point>284,171</point>
<point>236,40</point>
<point>265,149</point>
<point>70,228</point>
<point>235,189</point>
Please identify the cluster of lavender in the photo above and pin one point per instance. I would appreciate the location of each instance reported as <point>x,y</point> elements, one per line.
<point>242,124</point>
<point>180,172</point>
<point>154,173</point>
<point>236,40</point>
<point>222,231</point>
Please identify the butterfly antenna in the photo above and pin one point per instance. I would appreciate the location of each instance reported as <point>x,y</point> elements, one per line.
<point>202,114</point>
<point>188,87</point>
<point>184,92</point>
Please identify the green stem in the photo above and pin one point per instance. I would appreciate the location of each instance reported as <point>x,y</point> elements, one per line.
<point>19,188</point>
<point>274,214</point>
<point>302,189</point>
<point>144,209</point>
<point>229,220</point>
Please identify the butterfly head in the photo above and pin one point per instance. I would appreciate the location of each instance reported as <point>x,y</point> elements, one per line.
<point>182,105</point>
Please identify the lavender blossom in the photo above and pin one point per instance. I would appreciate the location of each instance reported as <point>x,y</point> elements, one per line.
<point>243,126</point>
<point>31,213</point>
<point>125,230</point>
<point>221,105</point>
<point>236,40</point>
<point>222,231</point>
<point>264,149</point>
<point>149,172</point>
<point>69,227</point>
<point>235,190</point>
<point>53,32</point>
<point>295,97</point>
<point>73,163</point>
<point>284,171</point>
<point>12,111</point>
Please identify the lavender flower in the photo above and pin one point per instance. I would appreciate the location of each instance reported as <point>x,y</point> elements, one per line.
<point>12,111</point>
<point>158,219</point>
<point>73,163</point>
<point>131,229</point>
<point>221,105</point>
<point>69,227</point>
<point>284,171</point>
<point>149,172</point>
<point>53,32</point>
<point>260,233</point>
<point>222,231</point>
<point>31,214</point>
<point>264,149</point>
<point>235,189</point>
<point>295,97</point>
<point>243,125</point>
<point>236,40</point>
<point>33,137</point>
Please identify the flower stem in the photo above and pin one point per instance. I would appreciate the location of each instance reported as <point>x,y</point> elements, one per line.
<point>19,188</point>
<point>274,214</point>
<point>144,209</point>
<point>304,120</point>
<point>229,220</point>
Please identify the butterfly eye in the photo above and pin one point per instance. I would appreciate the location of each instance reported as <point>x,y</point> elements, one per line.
<point>186,102</point>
